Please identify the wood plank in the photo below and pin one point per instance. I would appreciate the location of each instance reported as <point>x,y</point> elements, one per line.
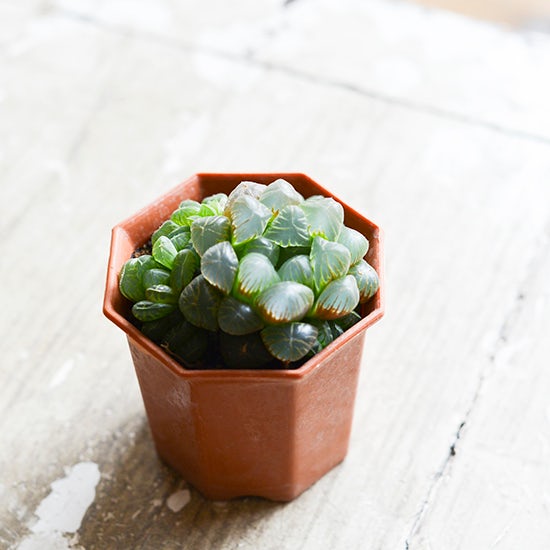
<point>401,53</point>
<point>495,491</point>
<point>463,208</point>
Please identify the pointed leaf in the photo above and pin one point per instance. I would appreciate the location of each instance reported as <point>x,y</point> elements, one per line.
<point>164,251</point>
<point>289,228</point>
<point>187,211</point>
<point>161,294</point>
<point>284,302</point>
<point>206,232</point>
<point>339,298</point>
<point>256,273</point>
<point>297,269</point>
<point>325,216</point>
<point>236,317</point>
<point>199,302</point>
<point>289,342</point>
<point>219,266</point>
<point>329,261</point>
<point>249,218</point>
<point>185,264</point>
<point>366,278</point>
<point>279,194</point>
<point>164,230</point>
<point>355,242</point>
<point>264,246</point>
<point>146,310</point>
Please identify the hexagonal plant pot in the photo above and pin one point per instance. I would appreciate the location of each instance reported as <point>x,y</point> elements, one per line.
<point>230,433</point>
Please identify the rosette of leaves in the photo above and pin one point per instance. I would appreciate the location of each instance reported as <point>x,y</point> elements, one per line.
<point>260,278</point>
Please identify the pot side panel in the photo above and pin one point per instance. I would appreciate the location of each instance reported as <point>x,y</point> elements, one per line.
<point>324,412</point>
<point>169,407</point>
<point>245,428</point>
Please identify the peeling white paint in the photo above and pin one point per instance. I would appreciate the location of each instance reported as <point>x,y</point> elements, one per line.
<point>178,500</point>
<point>63,509</point>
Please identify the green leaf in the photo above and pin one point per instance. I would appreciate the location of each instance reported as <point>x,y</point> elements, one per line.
<point>164,251</point>
<point>206,210</point>
<point>289,228</point>
<point>284,302</point>
<point>264,246</point>
<point>185,264</point>
<point>199,302</point>
<point>185,229</point>
<point>206,232</point>
<point>329,261</point>
<point>245,188</point>
<point>156,330</point>
<point>279,194</point>
<point>366,278</point>
<point>146,310</point>
<point>180,240</point>
<point>216,203</point>
<point>164,230</point>
<point>238,318</point>
<point>355,242</point>
<point>256,273</point>
<point>339,298</point>
<point>219,266</point>
<point>161,294</point>
<point>249,218</point>
<point>297,269</point>
<point>155,276</point>
<point>291,251</point>
<point>187,211</point>
<point>131,277</point>
<point>130,284</point>
<point>325,216</point>
<point>186,342</point>
<point>347,321</point>
<point>244,352</point>
<point>289,342</point>
<point>328,331</point>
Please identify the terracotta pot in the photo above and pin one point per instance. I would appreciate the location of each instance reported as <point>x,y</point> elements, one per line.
<point>230,433</point>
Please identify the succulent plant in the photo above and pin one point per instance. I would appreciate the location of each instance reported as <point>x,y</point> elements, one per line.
<point>260,278</point>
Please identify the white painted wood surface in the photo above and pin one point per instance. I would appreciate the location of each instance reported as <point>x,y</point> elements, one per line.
<point>434,126</point>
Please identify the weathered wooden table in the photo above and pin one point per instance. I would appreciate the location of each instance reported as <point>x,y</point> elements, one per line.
<point>436,127</point>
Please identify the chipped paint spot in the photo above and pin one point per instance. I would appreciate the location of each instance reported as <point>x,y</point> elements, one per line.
<point>178,500</point>
<point>63,509</point>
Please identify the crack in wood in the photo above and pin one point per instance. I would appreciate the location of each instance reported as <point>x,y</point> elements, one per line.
<point>500,344</point>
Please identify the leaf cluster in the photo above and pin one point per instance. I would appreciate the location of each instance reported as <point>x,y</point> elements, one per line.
<point>262,277</point>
